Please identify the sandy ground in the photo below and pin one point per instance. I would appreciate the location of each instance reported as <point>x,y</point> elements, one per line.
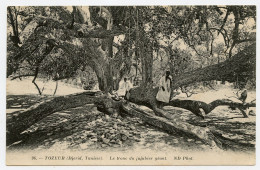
<point>26,87</point>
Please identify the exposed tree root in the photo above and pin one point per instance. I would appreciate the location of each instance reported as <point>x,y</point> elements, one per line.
<point>173,125</point>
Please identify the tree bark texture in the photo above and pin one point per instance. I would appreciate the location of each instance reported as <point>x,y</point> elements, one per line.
<point>19,121</point>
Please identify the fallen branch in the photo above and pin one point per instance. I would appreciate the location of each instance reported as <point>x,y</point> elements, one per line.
<point>19,121</point>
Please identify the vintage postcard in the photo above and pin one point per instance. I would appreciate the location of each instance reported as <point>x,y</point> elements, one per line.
<point>131,85</point>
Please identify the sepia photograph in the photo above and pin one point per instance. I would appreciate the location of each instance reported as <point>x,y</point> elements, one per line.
<point>131,85</point>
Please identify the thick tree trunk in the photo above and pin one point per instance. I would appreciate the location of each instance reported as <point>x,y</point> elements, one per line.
<point>106,73</point>
<point>148,64</point>
<point>145,52</point>
<point>105,77</point>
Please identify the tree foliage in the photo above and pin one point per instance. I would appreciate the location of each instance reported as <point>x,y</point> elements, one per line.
<point>58,41</point>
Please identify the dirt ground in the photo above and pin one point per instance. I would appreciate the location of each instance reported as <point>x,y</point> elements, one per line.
<point>85,128</point>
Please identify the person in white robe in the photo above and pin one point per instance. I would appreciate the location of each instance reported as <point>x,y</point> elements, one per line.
<point>124,87</point>
<point>164,92</point>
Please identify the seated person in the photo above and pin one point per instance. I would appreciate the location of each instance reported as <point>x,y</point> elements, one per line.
<point>124,87</point>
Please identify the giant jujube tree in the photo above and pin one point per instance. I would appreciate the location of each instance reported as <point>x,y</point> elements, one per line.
<point>107,39</point>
